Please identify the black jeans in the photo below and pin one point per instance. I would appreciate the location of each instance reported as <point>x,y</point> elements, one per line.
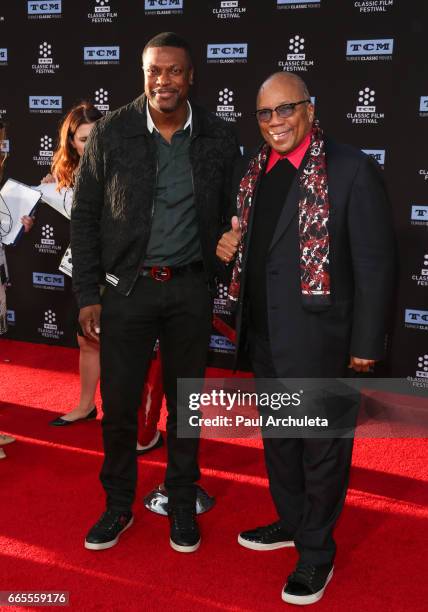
<point>308,477</point>
<point>178,312</point>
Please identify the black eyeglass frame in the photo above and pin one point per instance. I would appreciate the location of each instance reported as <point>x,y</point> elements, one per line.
<point>289,106</point>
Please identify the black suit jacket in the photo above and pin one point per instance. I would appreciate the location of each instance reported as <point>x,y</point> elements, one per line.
<point>362,270</point>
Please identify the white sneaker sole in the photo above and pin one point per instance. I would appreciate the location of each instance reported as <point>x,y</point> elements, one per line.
<point>306,600</point>
<point>257,546</point>
<point>110,544</point>
<point>184,549</point>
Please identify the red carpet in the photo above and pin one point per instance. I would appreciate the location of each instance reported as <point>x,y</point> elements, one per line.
<point>50,496</point>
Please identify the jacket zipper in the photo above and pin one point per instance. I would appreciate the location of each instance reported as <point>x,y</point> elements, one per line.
<point>196,208</point>
<point>150,225</point>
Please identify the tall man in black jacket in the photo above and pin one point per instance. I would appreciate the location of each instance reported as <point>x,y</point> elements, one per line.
<point>149,202</point>
<point>313,278</point>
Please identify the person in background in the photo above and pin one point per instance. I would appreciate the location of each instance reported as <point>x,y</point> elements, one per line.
<point>28,224</point>
<point>74,132</point>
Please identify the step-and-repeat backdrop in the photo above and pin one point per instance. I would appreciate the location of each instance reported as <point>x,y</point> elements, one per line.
<point>365,65</point>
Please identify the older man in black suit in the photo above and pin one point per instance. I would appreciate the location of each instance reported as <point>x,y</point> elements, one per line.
<point>313,251</point>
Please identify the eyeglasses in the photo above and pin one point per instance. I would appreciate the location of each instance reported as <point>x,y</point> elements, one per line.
<point>283,110</point>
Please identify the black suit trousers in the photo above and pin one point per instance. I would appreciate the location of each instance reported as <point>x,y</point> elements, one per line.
<point>308,477</point>
<point>178,312</point>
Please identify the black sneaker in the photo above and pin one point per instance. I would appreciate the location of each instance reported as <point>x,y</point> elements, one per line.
<point>105,533</point>
<point>306,585</point>
<point>184,530</point>
<point>269,537</point>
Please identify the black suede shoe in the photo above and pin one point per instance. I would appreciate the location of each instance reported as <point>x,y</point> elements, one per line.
<point>184,530</point>
<point>306,585</point>
<point>105,533</point>
<point>269,537</point>
<point>60,422</point>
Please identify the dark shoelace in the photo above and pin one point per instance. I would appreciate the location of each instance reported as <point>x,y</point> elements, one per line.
<point>108,520</point>
<point>184,518</point>
<point>304,574</point>
<point>273,528</point>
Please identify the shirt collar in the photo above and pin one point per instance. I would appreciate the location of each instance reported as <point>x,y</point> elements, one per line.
<point>294,157</point>
<point>189,121</point>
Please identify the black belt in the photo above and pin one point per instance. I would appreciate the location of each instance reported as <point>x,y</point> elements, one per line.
<point>165,273</point>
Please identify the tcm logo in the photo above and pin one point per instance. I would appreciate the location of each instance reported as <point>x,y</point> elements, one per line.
<point>101,100</point>
<point>47,235</point>
<point>420,213</point>
<point>102,55</point>
<point>373,6</point>
<point>418,318</point>
<point>227,53</point>
<point>422,371</point>
<point>163,5</point>
<point>229,9</point>
<point>4,146</point>
<point>225,106</point>
<point>11,317</point>
<point>3,57</point>
<point>381,46</point>
<point>45,63</point>
<point>296,48</point>
<point>45,53</point>
<point>46,146</point>
<point>222,344</point>
<point>377,154</point>
<point>222,291</point>
<point>421,279</point>
<point>45,104</point>
<point>102,7</point>
<point>102,12</point>
<point>48,246</point>
<point>423,106</point>
<point>50,322</point>
<point>43,279</point>
<point>296,60</point>
<point>366,99</point>
<point>40,7</point>
<point>225,99</point>
<point>229,50</point>
<point>365,110</point>
<point>424,271</point>
<point>296,3</point>
<point>45,153</point>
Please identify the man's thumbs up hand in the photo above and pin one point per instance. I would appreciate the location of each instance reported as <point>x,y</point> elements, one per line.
<point>228,244</point>
<point>236,228</point>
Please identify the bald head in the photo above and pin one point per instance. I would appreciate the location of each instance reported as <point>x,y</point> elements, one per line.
<point>286,132</point>
<point>289,80</point>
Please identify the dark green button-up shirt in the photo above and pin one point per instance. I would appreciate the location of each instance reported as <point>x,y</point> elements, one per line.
<point>174,237</point>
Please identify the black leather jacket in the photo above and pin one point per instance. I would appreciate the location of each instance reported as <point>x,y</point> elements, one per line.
<point>115,190</point>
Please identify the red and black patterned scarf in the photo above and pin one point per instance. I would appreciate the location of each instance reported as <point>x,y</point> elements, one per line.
<point>313,223</point>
